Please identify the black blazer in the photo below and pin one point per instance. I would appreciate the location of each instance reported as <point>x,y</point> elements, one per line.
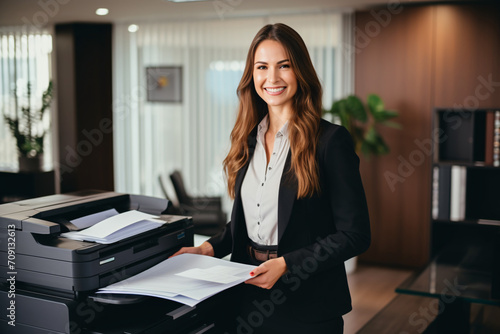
<point>315,235</point>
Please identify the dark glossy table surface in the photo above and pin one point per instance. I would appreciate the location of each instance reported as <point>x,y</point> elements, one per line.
<point>451,275</point>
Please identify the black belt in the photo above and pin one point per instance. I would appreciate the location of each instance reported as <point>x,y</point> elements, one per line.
<point>262,254</point>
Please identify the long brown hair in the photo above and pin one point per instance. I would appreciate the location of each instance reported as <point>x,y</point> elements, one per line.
<point>304,124</point>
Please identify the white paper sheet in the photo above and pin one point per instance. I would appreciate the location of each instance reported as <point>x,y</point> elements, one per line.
<point>217,274</point>
<point>115,223</point>
<point>87,221</point>
<point>164,281</point>
<point>117,227</point>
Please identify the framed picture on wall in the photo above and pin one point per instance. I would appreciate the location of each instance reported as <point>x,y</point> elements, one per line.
<point>164,83</point>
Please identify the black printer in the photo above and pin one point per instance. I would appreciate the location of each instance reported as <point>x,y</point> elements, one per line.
<point>49,282</point>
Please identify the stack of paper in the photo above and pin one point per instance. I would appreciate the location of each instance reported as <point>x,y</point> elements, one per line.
<point>89,220</point>
<point>186,278</point>
<point>117,227</point>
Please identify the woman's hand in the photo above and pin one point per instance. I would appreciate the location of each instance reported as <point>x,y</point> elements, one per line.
<point>268,273</point>
<point>203,249</point>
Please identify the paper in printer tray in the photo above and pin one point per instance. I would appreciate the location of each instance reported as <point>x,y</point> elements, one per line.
<point>45,259</point>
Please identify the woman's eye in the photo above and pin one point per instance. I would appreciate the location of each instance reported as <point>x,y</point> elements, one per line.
<point>261,67</point>
<point>285,66</point>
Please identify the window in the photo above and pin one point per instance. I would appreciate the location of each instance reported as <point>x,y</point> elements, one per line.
<point>24,58</point>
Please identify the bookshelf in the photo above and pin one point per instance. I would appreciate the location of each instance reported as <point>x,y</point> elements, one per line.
<point>465,208</point>
<point>465,178</point>
<point>465,218</point>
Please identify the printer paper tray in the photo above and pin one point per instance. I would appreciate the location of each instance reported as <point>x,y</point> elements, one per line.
<point>91,275</point>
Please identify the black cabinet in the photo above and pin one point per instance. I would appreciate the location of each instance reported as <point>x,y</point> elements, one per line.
<point>465,218</point>
<point>15,186</point>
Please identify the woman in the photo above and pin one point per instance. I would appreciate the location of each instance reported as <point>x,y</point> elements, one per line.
<point>299,206</point>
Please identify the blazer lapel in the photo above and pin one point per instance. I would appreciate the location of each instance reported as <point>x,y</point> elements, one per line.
<point>238,215</point>
<point>286,197</point>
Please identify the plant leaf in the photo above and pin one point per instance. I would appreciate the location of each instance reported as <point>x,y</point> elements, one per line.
<point>339,109</point>
<point>377,109</point>
<point>354,117</point>
<point>25,124</point>
<point>366,149</point>
<point>375,142</point>
<point>46,100</point>
<point>345,120</point>
<point>357,134</point>
<point>355,108</point>
<point>371,135</point>
<point>336,107</point>
<point>375,104</point>
<point>385,115</point>
<point>382,147</point>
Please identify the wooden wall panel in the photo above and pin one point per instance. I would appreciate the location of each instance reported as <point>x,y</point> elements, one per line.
<point>467,56</point>
<point>425,56</point>
<point>397,66</point>
<point>84,85</point>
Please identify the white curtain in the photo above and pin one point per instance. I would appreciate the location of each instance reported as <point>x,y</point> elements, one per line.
<point>155,138</point>
<point>25,56</point>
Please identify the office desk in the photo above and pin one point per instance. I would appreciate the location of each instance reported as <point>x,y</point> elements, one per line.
<point>455,280</point>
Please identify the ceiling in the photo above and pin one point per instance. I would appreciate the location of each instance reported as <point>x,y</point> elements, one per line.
<point>47,12</point>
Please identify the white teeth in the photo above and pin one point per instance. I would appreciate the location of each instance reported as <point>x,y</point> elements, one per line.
<point>275,90</point>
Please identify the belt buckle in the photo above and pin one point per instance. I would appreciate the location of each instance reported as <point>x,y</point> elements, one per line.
<point>261,255</point>
<point>257,254</point>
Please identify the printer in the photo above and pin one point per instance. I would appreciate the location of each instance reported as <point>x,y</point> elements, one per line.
<point>49,282</point>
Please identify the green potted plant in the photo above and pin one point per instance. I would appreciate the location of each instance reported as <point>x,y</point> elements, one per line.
<point>27,127</point>
<point>361,121</point>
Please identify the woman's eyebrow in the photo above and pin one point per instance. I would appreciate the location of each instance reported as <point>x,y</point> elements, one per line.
<point>265,63</point>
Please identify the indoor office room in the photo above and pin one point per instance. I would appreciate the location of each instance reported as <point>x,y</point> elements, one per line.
<point>125,113</point>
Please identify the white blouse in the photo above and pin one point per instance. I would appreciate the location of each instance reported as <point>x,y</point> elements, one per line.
<point>260,188</point>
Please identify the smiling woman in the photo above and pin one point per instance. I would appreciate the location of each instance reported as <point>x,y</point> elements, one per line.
<point>156,138</point>
<point>299,206</point>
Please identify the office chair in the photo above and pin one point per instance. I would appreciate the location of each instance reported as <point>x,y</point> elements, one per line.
<point>207,214</point>
<point>189,202</point>
<point>171,209</point>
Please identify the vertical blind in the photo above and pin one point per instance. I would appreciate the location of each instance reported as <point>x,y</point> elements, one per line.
<point>24,57</point>
<point>155,138</point>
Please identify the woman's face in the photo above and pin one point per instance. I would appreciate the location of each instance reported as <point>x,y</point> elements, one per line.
<point>273,76</point>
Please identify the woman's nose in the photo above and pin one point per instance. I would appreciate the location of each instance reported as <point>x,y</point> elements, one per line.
<point>272,76</point>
